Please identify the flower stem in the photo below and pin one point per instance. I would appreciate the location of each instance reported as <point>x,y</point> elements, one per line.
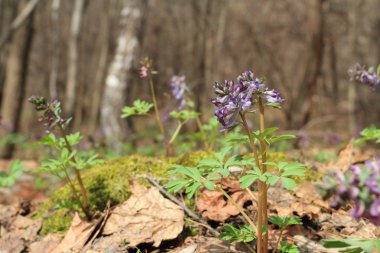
<point>77,173</point>
<point>264,169</point>
<point>200,127</point>
<point>157,113</point>
<point>278,240</point>
<point>260,188</point>
<point>176,132</point>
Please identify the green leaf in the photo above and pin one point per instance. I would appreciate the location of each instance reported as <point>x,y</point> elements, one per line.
<point>285,221</point>
<point>210,162</point>
<point>286,247</point>
<point>222,154</point>
<point>360,245</point>
<point>247,180</point>
<point>139,108</point>
<point>177,185</point>
<point>273,179</point>
<point>209,185</point>
<point>240,234</point>
<point>282,137</point>
<point>48,140</point>
<point>184,115</point>
<point>288,183</point>
<point>192,172</point>
<point>192,188</point>
<point>16,169</point>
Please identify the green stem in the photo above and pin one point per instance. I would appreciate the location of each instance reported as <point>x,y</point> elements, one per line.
<point>176,132</point>
<point>158,118</point>
<point>278,240</point>
<point>260,188</point>
<point>68,179</point>
<point>241,210</point>
<point>249,247</point>
<point>264,169</point>
<point>200,127</point>
<point>77,173</point>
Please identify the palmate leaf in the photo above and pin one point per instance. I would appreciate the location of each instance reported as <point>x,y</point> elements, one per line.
<point>15,171</point>
<point>354,245</point>
<point>286,247</point>
<point>240,234</point>
<point>139,108</point>
<point>184,115</point>
<point>285,221</point>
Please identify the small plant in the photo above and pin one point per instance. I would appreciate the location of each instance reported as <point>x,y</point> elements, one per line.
<point>139,108</point>
<point>14,172</point>
<point>68,158</point>
<point>181,95</point>
<point>371,133</point>
<point>282,223</point>
<point>235,101</point>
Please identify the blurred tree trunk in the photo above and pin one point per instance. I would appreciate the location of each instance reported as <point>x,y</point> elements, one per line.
<point>73,57</point>
<point>201,12</point>
<point>55,38</point>
<point>317,58</point>
<point>15,79</point>
<point>353,40</point>
<point>120,67</point>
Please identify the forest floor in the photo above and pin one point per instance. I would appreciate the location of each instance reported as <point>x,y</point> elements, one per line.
<point>150,222</point>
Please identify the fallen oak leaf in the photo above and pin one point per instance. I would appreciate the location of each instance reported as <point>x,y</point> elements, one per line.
<point>77,235</point>
<point>146,217</point>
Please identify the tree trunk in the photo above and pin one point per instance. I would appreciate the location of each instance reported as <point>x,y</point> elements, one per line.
<point>73,57</point>
<point>55,49</point>
<point>116,80</point>
<point>318,49</point>
<point>15,80</point>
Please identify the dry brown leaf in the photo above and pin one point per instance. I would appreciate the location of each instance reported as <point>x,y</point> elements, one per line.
<point>146,217</point>
<point>347,156</point>
<point>303,209</point>
<point>76,237</point>
<point>11,245</point>
<point>47,244</point>
<point>214,206</point>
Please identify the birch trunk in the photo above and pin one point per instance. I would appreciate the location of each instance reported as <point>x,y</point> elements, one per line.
<point>116,80</point>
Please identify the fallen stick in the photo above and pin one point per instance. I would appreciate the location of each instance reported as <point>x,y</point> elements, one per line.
<point>182,205</point>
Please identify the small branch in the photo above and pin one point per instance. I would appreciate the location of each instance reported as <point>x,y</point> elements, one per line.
<point>20,19</point>
<point>181,204</point>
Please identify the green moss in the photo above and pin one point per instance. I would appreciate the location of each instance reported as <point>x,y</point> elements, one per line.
<point>107,182</point>
<point>277,157</point>
<point>59,222</point>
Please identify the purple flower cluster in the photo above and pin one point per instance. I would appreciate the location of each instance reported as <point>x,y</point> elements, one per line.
<point>240,97</point>
<point>368,77</point>
<point>51,116</point>
<point>180,91</point>
<point>361,185</point>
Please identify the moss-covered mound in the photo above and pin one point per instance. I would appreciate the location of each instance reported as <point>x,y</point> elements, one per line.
<point>107,182</point>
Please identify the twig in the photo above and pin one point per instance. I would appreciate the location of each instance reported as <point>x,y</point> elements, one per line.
<point>20,19</point>
<point>181,204</point>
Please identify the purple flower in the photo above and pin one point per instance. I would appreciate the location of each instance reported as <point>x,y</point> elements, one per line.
<point>375,208</point>
<point>180,90</point>
<point>368,77</point>
<point>241,97</point>
<point>361,185</point>
<point>359,209</point>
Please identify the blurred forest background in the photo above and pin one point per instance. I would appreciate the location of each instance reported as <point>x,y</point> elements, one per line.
<point>86,54</point>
